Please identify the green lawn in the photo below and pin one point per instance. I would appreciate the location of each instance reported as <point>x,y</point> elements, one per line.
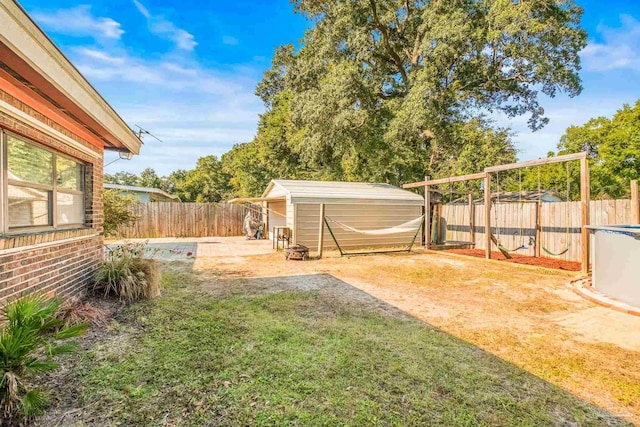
<point>243,357</point>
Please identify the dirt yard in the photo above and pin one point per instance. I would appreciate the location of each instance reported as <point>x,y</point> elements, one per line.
<point>337,341</point>
<point>526,315</point>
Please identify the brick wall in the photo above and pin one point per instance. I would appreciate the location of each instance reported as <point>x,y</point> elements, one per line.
<point>61,262</point>
<point>63,268</point>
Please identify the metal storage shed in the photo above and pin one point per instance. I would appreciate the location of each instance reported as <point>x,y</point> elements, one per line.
<point>368,206</point>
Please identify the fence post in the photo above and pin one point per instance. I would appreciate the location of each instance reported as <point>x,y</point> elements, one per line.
<point>635,204</point>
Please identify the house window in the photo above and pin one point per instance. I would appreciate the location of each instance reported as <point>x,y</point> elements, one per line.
<point>42,189</point>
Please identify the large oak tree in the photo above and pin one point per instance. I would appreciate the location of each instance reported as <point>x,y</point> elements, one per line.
<point>387,89</point>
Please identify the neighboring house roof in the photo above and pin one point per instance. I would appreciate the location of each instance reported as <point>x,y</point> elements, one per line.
<point>340,192</point>
<point>46,77</point>
<point>135,189</point>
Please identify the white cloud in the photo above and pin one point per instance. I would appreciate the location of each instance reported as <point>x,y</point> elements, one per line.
<point>163,28</point>
<point>169,75</point>
<point>79,21</point>
<point>196,111</point>
<point>100,55</point>
<point>229,40</point>
<point>619,48</point>
<point>143,10</point>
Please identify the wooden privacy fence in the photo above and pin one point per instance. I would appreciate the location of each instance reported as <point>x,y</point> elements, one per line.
<point>166,219</point>
<point>514,224</point>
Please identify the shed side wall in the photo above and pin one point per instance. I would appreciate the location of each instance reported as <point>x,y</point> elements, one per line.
<point>277,215</point>
<point>360,216</point>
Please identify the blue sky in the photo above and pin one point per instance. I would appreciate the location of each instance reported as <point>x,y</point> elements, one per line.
<point>187,70</point>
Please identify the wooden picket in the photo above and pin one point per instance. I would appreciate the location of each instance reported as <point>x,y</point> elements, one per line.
<point>514,223</point>
<point>165,219</point>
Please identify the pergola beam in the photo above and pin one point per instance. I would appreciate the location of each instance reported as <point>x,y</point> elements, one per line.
<point>539,162</point>
<point>460,178</point>
<point>486,176</point>
<point>481,175</point>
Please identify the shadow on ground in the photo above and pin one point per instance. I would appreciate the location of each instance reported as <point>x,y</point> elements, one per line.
<point>304,349</point>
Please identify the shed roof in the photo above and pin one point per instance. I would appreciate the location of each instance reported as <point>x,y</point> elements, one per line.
<point>342,192</point>
<point>135,189</point>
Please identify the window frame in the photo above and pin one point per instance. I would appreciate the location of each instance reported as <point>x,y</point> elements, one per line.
<point>52,189</point>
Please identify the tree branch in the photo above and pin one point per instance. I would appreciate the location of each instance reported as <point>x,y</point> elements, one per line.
<point>385,41</point>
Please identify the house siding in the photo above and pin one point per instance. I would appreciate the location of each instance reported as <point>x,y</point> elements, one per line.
<point>62,261</point>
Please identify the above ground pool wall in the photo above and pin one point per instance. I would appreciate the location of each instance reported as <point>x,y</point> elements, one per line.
<point>616,262</point>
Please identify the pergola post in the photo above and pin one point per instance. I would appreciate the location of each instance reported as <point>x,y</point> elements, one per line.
<point>472,219</point>
<point>538,228</point>
<point>635,204</point>
<point>585,196</point>
<point>321,231</point>
<point>487,215</point>
<point>427,214</point>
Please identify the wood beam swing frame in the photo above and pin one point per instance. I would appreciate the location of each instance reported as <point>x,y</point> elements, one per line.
<point>427,183</point>
<point>585,188</point>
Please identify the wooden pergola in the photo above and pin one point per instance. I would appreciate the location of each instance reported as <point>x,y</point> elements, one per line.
<point>487,175</point>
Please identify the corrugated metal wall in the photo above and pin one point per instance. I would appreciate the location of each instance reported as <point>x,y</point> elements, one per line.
<point>360,216</point>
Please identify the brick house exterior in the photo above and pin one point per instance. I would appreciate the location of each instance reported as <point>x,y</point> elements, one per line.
<point>54,128</point>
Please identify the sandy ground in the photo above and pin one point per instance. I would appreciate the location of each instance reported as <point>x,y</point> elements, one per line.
<point>526,315</point>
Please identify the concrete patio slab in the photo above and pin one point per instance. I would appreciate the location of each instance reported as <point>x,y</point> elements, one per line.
<point>184,248</point>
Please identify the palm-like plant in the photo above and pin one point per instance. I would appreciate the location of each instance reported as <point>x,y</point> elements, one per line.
<point>30,339</point>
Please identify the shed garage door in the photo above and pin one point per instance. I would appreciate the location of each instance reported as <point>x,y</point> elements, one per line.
<point>360,216</point>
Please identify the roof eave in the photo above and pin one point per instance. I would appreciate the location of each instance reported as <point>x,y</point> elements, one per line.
<point>22,36</point>
<point>272,184</point>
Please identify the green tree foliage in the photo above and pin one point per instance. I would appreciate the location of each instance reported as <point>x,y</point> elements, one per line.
<point>274,153</point>
<point>149,178</point>
<point>562,179</point>
<point>614,149</point>
<point>208,182</point>
<point>27,162</point>
<point>121,178</point>
<point>117,210</point>
<point>613,145</point>
<point>388,90</point>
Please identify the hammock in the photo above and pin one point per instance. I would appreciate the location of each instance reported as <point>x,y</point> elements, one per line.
<point>413,225</point>
<point>512,250</point>
<point>402,228</point>
<point>554,254</point>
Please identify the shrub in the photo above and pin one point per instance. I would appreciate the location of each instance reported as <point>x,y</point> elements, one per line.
<point>74,311</point>
<point>117,210</point>
<point>29,342</point>
<point>125,274</point>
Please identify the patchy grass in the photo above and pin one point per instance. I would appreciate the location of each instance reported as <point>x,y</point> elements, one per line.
<point>525,315</point>
<point>298,356</point>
